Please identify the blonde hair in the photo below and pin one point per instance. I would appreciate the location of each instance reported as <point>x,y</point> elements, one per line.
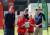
<point>30,14</point>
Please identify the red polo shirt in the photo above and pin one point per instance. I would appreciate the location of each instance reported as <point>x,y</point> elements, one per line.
<point>21,30</point>
<point>31,27</point>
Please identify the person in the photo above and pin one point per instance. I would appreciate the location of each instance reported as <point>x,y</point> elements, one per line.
<point>21,25</point>
<point>26,14</point>
<point>39,21</point>
<point>32,24</point>
<point>9,19</point>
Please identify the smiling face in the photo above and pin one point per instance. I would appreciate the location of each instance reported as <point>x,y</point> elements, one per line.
<point>30,16</point>
<point>21,16</point>
<point>38,11</point>
<point>11,10</point>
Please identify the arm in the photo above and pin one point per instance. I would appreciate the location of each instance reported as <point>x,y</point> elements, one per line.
<point>23,25</point>
<point>43,20</point>
<point>19,23</point>
<point>3,21</point>
<point>5,17</point>
<point>33,23</point>
<point>42,23</point>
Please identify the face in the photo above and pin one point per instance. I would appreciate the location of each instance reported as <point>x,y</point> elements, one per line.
<point>21,16</point>
<point>11,10</point>
<point>25,12</point>
<point>30,16</point>
<point>38,10</point>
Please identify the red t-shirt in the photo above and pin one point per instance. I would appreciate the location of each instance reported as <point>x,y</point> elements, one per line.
<point>31,27</point>
<point>20,23</point>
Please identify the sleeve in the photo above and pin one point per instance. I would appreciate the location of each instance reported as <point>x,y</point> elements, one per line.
<point>5,16</point>
<point>44,17</point>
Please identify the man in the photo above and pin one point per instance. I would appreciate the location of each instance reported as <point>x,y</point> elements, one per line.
<point>9,22</point>
<point>26,13</point>
<point>26,16</point>
<point>39,21</point>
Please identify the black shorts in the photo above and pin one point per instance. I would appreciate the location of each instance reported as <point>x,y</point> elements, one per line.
<point>30,31</point>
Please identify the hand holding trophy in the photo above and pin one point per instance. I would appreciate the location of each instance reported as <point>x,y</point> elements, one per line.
<point>27,24</point>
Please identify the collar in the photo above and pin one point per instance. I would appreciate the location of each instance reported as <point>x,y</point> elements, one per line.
<point>26,14</point>
<point>38,14</point>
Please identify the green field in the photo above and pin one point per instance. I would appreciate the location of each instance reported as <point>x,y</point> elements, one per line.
<point>44,32</point>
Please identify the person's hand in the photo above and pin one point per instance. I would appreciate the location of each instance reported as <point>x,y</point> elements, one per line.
<point>30,23</point>
<point>37,26</point>
<point>23,25</point>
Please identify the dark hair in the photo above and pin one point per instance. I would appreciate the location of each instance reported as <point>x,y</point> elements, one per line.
<point>26,10</point>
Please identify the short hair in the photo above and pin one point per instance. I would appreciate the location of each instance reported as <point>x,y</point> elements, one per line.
<point>11,7</point>
<point>26,9</point>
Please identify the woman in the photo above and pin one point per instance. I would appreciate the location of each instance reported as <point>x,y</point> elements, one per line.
<point>21,28</point>
<point>32,24</point>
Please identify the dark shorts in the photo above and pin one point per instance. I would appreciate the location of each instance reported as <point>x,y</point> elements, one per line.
<point>30,31</point>
<point>8,31</point>
<point>20,34</point>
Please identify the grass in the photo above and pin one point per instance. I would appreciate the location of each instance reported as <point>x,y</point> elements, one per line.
<point>44,32</point>
<point>49,30</point>
<point>1,32</point>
